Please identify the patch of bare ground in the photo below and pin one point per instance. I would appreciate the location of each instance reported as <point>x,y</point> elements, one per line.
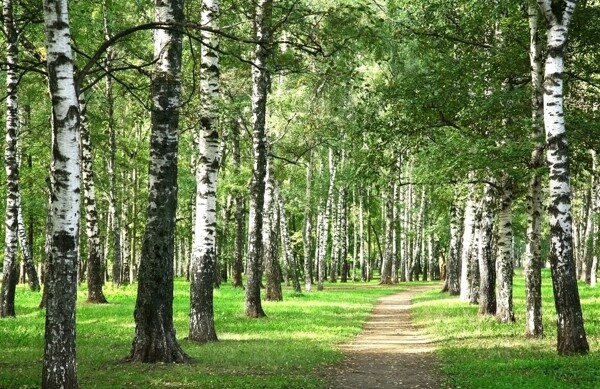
<point>390,352</point>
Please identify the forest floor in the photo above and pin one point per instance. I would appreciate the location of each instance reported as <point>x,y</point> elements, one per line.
<point>390,352</point>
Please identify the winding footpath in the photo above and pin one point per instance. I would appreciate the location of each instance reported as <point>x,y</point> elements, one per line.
<point>390,352</point>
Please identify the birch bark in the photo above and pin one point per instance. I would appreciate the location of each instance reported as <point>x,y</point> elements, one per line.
<point>487,271</point>
<point>467,243</point>
<point>94,260</point>
<point>204,256</point>
<point>571,333</point>
<point>59,366</point>
<point>504,261</point>
<point>533,249</point>
<point>260,81</point>
<point>286,242</point>
<point>155,339</point>
<point>10,276</point>
<point>306,231</point>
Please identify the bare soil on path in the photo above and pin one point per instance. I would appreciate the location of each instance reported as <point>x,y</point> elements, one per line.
<point>390,352</point>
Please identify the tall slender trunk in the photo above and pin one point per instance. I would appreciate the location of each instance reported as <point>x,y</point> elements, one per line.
<point>533,250</point>
<point>94,260</point>
<point>452,284</point>
<point>273,276</point>
<point>204,256</point>
<point>155,339</point>
<point>504,262</point>
<point>24,241</point>
<point>386,266</point>
<point>487,271</point>
<point>361,232</point>
<point>571,333</point>
<point>286,242</point>
<point>325,221</point>
<point>10,276</point>
<point>260,82</point>
<point>467,243</point>
<point>113,205</point>
<point>355,243</point>
<point>239,210</point>
<point>343,217</point>
<point>474,257</point>
<point>59,366</point>
<point>306,231</point>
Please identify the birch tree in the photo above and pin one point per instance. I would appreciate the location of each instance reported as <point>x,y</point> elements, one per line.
<point>59,366</point>
<point>467,243</point>
<point>260,81</point>
<point>452,284</point>
<point>533,250</point>
<point>487,270</point>
<point>239,210</point>
<point>504,261</point>
<point>204,255</point>
<point>10,276</point>
<point>154,339</point>
<point>306,231</point>
<point>95,276</point>
<point>571,333</point>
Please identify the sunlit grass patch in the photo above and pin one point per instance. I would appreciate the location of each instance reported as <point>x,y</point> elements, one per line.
<point>478,352</point>
<point>298,337</point>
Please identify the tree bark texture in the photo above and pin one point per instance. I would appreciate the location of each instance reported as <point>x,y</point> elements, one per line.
<point>286,242</point>
<point>386,267</point>
<point>532,266</point>
<point>238,250</point>
<point>467,243</point>
<point>487,270</point>
<point>260,82</point>
<point>452,284</point>
<point>306,231</point>
<point>504,261</point>
<point>155,339</point>
<point>59,366</point>
<point>571,333</point>
<point>10,276</point>
<point>94,257</point>
<point>324,234</point>
<point>204,255</point>
<point>270,242</point>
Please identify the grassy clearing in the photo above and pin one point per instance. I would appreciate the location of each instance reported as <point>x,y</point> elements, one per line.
<point>477,352</point>
<point>281,351</point>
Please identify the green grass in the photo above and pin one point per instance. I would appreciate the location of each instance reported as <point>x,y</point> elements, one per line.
<point>285,350</point>
<point>477,352</point>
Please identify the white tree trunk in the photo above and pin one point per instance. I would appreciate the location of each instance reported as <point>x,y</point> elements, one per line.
<point>11,167</point>
<point>60,368</point>
<point>262,32</point>
<point>467,242</point>
<point>306,231</point>
<point>286,242</point>
<point>325,222</point>
<point>504,261</point>
<point>487,271</point>
<point>571,333</point>
<point>533,258</point>
<point>204,253</point>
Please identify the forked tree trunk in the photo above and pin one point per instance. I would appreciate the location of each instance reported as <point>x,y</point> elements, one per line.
<point>260,81</point>
<point>59,366</point>
<point>504,262</point>
<point>204,254</point>
<point>10,276</point>
<point>155,339</point>
<point>571,333</point>
<point>532,266</point>
<point>94,257</point>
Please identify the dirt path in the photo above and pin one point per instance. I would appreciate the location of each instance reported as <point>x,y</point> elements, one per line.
<point>390,352</point>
